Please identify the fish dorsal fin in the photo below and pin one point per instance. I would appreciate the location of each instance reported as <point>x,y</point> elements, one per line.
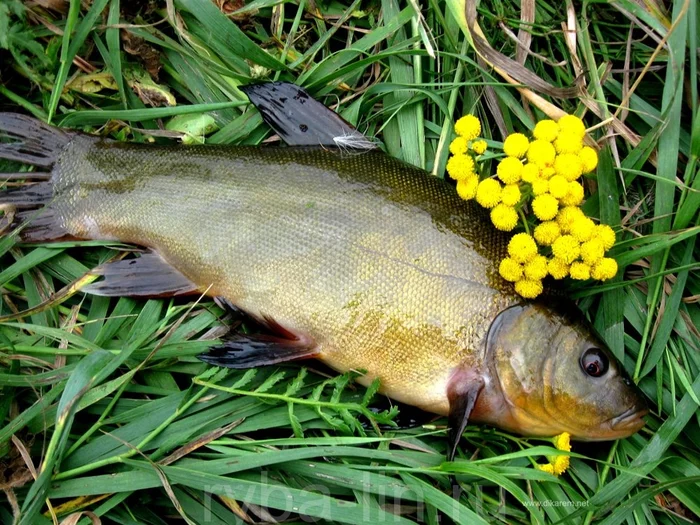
<point>300,120</point>
<point>146,276</point>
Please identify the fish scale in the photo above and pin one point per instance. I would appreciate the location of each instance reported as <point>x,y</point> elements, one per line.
<point>385,269</point>
<point>348,256</point>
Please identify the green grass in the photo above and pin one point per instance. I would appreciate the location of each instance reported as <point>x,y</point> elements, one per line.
<point>104,407</point>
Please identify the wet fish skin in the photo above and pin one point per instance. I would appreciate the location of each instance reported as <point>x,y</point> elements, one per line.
<point>370,262</point>
<point>384,269</point>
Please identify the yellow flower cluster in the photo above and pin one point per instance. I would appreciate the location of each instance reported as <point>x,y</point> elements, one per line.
<point>557,464</point>
<point>577,248</point>
<point>542,173</point>
<point>461,165</point>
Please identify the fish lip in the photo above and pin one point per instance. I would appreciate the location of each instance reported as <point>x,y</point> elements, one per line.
<point>630,418</point>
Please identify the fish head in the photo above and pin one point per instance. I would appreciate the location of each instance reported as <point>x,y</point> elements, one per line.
<point>549,372</point>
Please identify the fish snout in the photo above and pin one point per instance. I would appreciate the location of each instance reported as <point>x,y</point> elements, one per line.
<point>631,420</point>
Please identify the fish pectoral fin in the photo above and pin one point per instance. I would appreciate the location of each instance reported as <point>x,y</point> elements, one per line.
<point>250,351</point>
<point>147,276</point>
<point>300,120</point>
<point>462,394</point>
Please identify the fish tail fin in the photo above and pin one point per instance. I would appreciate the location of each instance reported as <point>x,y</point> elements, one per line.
<point>27,213</point>
<point>30,140</point>
<point>27,207</point>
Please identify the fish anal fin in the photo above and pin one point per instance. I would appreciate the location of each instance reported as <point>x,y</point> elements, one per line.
<point>300,120</point>
<point>146,276</point>
<point>249,351</point>
<point>462,393</point>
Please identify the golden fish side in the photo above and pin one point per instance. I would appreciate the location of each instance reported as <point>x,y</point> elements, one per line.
<point>359,259</point>
<point>384,269</point>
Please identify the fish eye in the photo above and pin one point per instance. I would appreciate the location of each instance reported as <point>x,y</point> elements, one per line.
<point>594,362</point>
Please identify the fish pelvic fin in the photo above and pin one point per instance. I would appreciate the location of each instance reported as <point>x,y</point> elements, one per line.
<point>250,351</point>
<point>300,120</point>
<point>27,208</point>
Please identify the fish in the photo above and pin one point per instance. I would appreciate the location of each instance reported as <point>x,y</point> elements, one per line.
<point>343,253</point>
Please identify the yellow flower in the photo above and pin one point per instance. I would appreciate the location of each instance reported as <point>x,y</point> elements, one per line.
<point>516,145</point>
<point>458,146</point>
<point>488,193</point>
<point>468,127</point>
<point>528,288</point>
<point>504,217</point>
<point>605,269</point>
<point>567,142</point>
<point>541,153</point>
<point>572,124</point>
<point>574,196</point>
<point>580,271</point>
<point>592,251</point>
<point>559,464</point>
<point>547,467</point>
<point>606,234</point>
<point>566,248</point>
<point>557,268</point>
<point>562,442</point>
<point>558,186</point>
<point>510,196</point>
<point>540,186</point>
<point>567,216</point>
<point>466,188</point>
<point>547,172</point>
<point>530,172</point>
<point>522,248</point>
<point>547,232</point>
<point>546,130</point>
<point>536,269</point>
<point>589,159</point>
<point>582,229</point>
<point>545,207</point>
<point>568,165</point>
<point>479,147</point>
<point>509,170</point>
<point>510,270</point>
<point>460,166</point>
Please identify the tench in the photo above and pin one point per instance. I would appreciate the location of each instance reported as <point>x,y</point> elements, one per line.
<point>346,254</point>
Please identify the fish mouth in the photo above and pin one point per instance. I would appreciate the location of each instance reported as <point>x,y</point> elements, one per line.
<point>631,419</point>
